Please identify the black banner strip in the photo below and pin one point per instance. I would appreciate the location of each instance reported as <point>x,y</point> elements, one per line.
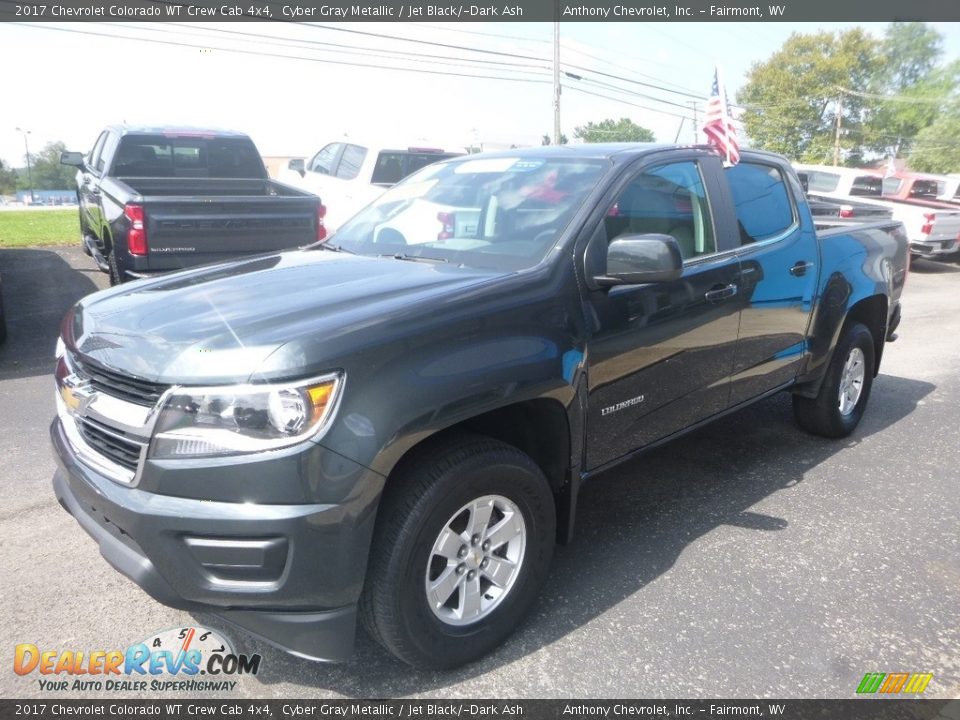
<point>874,708</point>
<point>791,11</point>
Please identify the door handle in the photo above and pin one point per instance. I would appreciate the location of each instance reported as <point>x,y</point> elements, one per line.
<point>800,268</point>
<point>720,293</point>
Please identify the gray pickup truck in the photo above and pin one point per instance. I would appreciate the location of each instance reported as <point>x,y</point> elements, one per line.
<point>156,199</point>
<point>394,424</point>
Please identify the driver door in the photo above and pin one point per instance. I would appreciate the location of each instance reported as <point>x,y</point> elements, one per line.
<point>662,354</point>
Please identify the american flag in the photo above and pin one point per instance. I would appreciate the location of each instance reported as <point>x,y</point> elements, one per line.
<point>718,124</point>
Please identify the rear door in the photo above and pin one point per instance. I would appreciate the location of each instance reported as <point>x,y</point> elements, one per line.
<point>661,355</point>
<point>779,266</point>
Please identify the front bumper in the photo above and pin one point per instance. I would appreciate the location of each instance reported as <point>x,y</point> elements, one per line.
<point>288,573</point>
<point>933,248</point>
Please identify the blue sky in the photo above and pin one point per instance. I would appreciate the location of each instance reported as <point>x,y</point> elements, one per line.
<point>65,85</point>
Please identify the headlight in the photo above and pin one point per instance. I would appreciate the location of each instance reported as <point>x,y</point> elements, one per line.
<point>238,419</point>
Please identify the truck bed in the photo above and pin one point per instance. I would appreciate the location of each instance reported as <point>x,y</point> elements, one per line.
<point>190,221</point>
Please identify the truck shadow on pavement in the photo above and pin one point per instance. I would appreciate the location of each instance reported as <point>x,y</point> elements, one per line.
<point>39,286</point>
<point>632,525</point>
<point>949,265</point>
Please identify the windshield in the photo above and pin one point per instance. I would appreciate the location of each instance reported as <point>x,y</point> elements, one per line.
<point>497,213</point>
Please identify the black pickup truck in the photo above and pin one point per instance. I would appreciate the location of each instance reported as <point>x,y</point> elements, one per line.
<point>395,423</point>
<point>158,199</point>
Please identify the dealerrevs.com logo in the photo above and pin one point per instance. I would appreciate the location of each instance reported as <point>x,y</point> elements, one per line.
<point>189,659</point>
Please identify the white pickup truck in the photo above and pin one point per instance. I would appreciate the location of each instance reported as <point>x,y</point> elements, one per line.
<point>349,176</point>
<point>933,231</point>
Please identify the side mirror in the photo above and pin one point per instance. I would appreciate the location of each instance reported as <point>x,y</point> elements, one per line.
<point>72,158</point>
<point>804,182</point>
<point>636,259</point>
<point>297,166</point>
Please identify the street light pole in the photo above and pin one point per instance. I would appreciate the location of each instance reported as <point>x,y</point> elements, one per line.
<point>26,146</point>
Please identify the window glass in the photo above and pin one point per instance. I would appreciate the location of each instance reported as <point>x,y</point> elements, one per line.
<point>350,162</point>
<point>107,150</point>
<point>891,185</point>
<point>763,205</point>
<point>868,185</point>
<point>394,165</point>
<point>670,200</point>
<point>94,155</point>
<point>819,181</point>
<point>166,156</point>
<point>323,161</point>
<point>926,189</point>
<point>500,213</point>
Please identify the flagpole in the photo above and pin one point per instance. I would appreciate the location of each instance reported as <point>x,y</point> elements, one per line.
<point>722,91</point>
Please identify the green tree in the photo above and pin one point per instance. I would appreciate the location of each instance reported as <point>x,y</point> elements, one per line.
<point>610,130</point>
<point>937,147</point>
<point>548,140</point>
<point>793,99</point>
<point>907,74</point>
<point>47,172</point>
<point>8,180</point>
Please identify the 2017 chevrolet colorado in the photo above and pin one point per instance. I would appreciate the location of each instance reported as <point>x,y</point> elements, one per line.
<point>395,423</point>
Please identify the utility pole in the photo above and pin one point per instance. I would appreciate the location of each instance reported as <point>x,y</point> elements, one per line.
<point>696,130</point>
<point>26,146</point>
<point>556,82</point>
<point>836,141</point>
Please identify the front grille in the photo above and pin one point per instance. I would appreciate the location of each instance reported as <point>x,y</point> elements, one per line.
<point>135,390</point>
<point>125,453</point>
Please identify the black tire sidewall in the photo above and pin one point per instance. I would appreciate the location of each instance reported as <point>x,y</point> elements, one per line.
<point>443,645</point>
<point>856,337</point>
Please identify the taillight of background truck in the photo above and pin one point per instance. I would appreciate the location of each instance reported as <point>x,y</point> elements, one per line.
<point>927,228</point>
<point>846,211</point>
<point>137,234</point>
<point>321,228</point>
<point>448,222</point>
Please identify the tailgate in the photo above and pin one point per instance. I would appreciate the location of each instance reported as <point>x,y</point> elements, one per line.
<point>184,232</point>
<point>943,225</point>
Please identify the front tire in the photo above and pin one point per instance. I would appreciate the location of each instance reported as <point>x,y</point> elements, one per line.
<point>463,543</point>
<point>838,407</point>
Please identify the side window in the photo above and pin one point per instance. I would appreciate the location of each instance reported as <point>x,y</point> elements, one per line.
<point>389,169</point>
<point>670,200</point>
<point>763,204</point>
<point>323,161</point>
<point>818,181</point>
<point>94,157</point>
<point>106,152</point>
<point>350,162</point>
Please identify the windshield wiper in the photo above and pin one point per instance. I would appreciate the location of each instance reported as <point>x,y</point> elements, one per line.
<point>327,245</point>
<point>417,258</point>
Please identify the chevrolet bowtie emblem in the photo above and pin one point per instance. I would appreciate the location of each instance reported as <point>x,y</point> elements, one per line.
<point>76,393</point>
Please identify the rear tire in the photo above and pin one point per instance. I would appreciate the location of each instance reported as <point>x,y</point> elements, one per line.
<point>458,516</point>
<point>838,407</point>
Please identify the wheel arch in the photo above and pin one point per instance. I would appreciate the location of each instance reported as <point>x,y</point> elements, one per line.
<point>871,310</point>
<point>540,428</point>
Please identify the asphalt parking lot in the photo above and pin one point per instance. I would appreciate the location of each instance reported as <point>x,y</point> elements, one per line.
<point>746,559</point>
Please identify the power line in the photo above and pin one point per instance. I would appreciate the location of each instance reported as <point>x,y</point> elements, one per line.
<point>287,57</point>
<point>483,51</point>
<point>625,102</point>
<point>286,42</point>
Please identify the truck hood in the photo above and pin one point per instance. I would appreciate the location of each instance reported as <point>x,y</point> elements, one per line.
<point>220,323</point>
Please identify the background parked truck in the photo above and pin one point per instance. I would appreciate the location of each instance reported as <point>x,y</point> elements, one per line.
<point>160,199</point>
